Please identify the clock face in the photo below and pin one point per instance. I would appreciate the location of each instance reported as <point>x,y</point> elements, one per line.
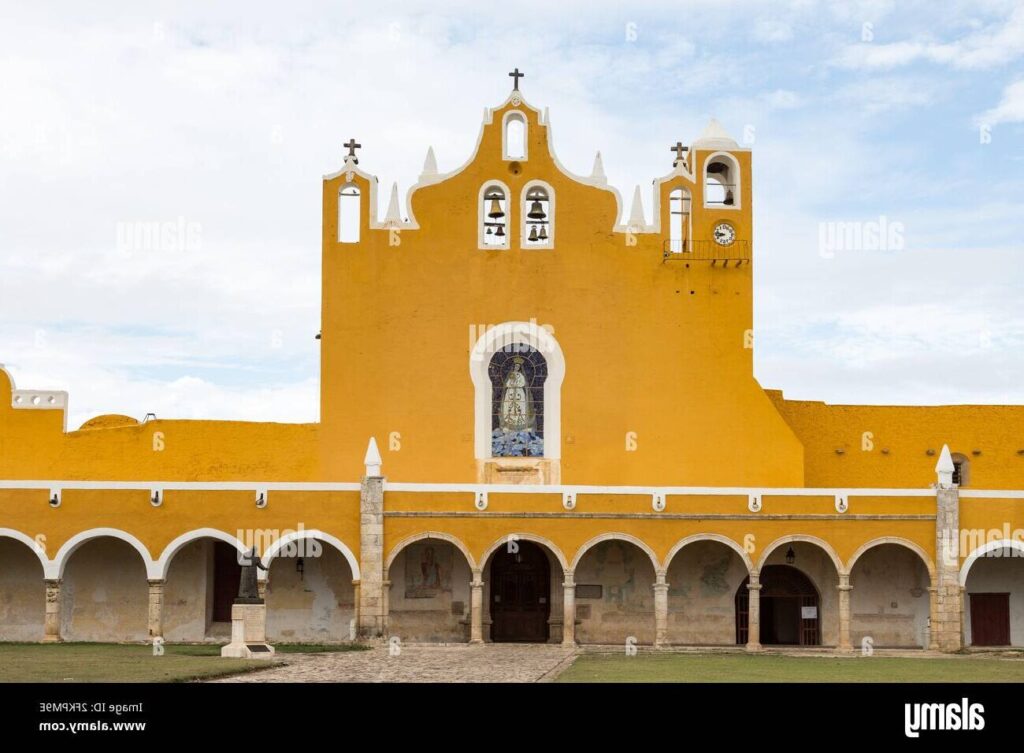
<point>724,234</point>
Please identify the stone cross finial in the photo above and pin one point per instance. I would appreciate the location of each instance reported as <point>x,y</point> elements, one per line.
<point>516,75</point>
<point>352,146</point>
<point>678,149</point>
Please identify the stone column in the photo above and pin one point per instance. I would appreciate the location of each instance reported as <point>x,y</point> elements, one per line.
<point>261,587</point>
<point>569,610</point>
<point>844,613</point>
<point>947,625</point>
<point>156,609</point>
<point>51,623</point>
<point>933,618</point>
<point>476,608</point>
<point>372,615</point>
<point>754,613</point>
<point>660,610</point>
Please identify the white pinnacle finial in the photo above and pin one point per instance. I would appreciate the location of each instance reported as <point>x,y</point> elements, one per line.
<point>393,218</point>
<point>715,137</point>
<point>597,174</point>
<point>636,214</point>
<point>944,468</point>
<point>429,165</point>
<point>372,460</point>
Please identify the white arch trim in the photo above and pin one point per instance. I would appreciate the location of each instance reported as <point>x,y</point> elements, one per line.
<point>520,536</point>
<point>709,537</point>
<point>519,117</point>
<point>982,551</point>
<point>60,559</point>
<point>164,563</point>
<point>897,541</point>
<point>524,230</point>
<point>737,197</point>
<point>616,537</point>
<point>489,343</point>
<point>274,549</point>
<point>40,551</point>
<point>820,543</point>
<point>436,535</point>
<point>481,231</point>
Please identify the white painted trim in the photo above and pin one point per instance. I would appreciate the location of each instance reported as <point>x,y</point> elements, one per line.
<point>269,555</point>
<point>717,537</point>
<point>524,230</point>
<point>38,399</point>
<point>437,535</point>
<point>481,215</point>
<point>806,539</point>
<point>163,564</point>
<point>232,486</point>
<point>896,541</point>
<point>616,536</point>
<point>737,198</point>
<point>71,545</point>
<point>499,336</point>
<point>39,550</point>
<point>520,117</point>
<point>520,536</point>
<point>981,551</point>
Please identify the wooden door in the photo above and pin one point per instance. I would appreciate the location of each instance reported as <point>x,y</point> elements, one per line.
<point>520,595</point>
<point>226,576</point>
<point>990,619</point>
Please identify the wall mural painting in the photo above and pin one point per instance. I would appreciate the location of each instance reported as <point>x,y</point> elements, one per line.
<point>428,570</point>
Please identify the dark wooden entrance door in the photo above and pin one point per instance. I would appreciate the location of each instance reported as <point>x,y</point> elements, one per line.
<point>226,576</point>
<point>520,594</point>
<point>990,619</point>
<point>789,608</point>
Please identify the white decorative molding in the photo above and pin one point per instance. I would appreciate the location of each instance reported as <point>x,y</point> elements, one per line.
<point>615,536</point>
<point>262,498</point>
<point>164,562</point>
<point>481,501</point>
<point>372,460</point>
<point>38,399</point>
<point>569,500</point>
<point>842,503</point>
<point>754,502</point>
<point>60,559</point>
<point>944,468</point>
<point>658,502</point>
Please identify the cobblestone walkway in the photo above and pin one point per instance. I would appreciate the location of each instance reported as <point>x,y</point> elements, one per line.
<point>464,663</point>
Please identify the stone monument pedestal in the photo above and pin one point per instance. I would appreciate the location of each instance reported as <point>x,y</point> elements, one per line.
<point>248,633</point>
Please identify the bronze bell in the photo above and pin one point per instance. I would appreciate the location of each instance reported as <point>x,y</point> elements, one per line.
<point>728,199</point>
<point>536,211</point>
<point>496,210</point>
<point>500,232</point>
<point>533,233</point>
<point>543,232</point>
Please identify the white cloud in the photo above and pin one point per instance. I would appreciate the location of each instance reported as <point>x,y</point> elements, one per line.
<point>1010,108</point>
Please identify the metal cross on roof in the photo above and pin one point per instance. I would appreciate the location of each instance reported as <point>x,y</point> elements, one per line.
<point>352,146</point>
<point>516,75</point>
<point>678,149</point>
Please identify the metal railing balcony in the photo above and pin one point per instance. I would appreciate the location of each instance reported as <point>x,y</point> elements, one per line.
<point>685,249</point>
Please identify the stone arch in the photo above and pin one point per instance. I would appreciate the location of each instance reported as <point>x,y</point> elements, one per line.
<point>981,551</point>
<point>898,541</point>
<point>547,543</point>
<point>708,537</point>
<point>273,550</point>
<point>820,543</point>
<point>48,566</point>
<point>618,537</point>
<point>439,535</point>
<point>61,558</point>
<point>163,564</point>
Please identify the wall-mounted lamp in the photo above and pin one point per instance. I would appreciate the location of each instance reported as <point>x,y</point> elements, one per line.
<point>300,566</point>
<point>790,556</point>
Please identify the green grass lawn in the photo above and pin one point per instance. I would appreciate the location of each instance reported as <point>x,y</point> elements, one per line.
<point>772,668</point>
<point>110,662</point>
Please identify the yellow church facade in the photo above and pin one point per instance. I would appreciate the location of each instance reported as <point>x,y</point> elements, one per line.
<point>538,423</point>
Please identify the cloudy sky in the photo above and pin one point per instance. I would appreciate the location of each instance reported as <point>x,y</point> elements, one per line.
<point>221,121</point>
